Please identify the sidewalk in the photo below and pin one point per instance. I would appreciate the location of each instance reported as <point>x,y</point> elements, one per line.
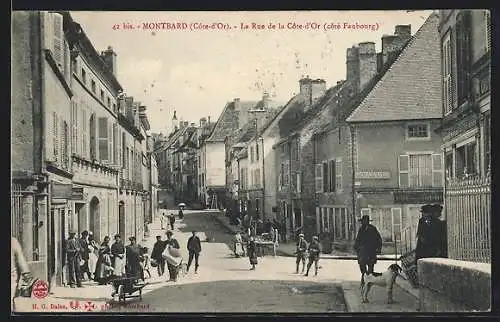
<point>93,297</point>
<point>407,292</point>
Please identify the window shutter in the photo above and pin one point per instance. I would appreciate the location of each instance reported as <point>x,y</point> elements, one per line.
<point>49,149</point>
<point>74,127</point>
<point>55,138</point>
<point>488,29</point>
<point>403,163</point>
<point>437,170</point>
<point>110,143</point>
<point>58,39</point>
<point>453,66</point>
<point>116,144</point>
<point>83,124</point>
<point>280,176</point>
<point>299,183</point>
<point>325,177</point>
<point>103,139</point>
<point>319,178</point>
<point>287,172</point>
<point>65,145</point>
<point>48,25</point>
<point>338,174</point>
<point>331,178</point>
<point>396,224</point>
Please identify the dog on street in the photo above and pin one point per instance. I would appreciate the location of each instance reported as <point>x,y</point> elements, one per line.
<point>386,279</point>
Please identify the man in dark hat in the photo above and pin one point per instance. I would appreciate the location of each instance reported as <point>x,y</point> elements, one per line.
<point>429,232</point>
<point>73,250</point>
<point>156,254</point>
<point>194,249</point>
<point>85,255</point>
<point>367,245</point>
<point>133,256</point>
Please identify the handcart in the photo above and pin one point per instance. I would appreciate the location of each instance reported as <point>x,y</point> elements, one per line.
<point>125,287</point>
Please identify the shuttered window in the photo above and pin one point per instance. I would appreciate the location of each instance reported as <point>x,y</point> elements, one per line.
<point>319,178</point>
<point>447,67</point>
<point>58,39</point>
<point>55,136</point>
<point>338,174</point>
<point>74,128</point>
<point>286,173</point>
<point>487,20</point>
<point>110,143</point>
<point>84,128</point>
<point>116,144</point>
<point>298,183</point>
<point>396,223</point>
<point>103,139</point>
<point>463,53</point>
<point>65,145</point>
<point>437,170</point>
<point>403,171</point>
<point>325,177</point>
<point>92,137</point>
<point>331,176</point>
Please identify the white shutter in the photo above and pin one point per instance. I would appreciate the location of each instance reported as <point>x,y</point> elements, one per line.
<point>338,174</point>
<point>49,148</point>
<point>62,142</point>
<point>487,20</point>
<point>48,26</point>
<point>110,143</point>
<point>55,136</point>
<point>319,178</point>
<point>397,223</point>
<point>74,128</point>
<point>103,138</point>
<point>299,183</point>
<point>403,165</point>
<point>58,39</point>
<point>437,170</point>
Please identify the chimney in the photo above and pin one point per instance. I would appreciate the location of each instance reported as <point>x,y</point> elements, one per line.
<point>312,89</point>
<point>392,44</point>
<point>266,98</point>
<point>237,104</point>
<point>109,57</point>
<point>203,121</point>
<point>367,63</point>
<point>352,62</point>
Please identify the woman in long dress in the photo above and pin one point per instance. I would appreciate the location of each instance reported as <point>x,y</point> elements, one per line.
<point>118,256</point>
<point>93,255</point>
<point>104,268</point>
<point>252,252</point>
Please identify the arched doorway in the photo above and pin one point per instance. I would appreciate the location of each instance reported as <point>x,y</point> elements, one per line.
<point>121,219</point>
<point>95,219</point>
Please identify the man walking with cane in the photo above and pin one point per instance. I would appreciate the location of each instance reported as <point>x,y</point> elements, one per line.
<point>194,249</point>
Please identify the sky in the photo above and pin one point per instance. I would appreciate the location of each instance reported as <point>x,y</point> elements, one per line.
<point>196,72</point>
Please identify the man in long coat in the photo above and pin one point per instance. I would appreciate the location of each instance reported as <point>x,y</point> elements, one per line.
<point>367,245</point>
<point>156,254</point>
<point>429,232</point>
<point>133,255</point>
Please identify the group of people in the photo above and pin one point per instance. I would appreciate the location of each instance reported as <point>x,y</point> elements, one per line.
<point>431,237</point>
<point>86,259</point>
<point>171,245</point>
<point>310,251</point>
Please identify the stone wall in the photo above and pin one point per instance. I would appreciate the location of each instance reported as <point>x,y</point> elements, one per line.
<point>448,285</point>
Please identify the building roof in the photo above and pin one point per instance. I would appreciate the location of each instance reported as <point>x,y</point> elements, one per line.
<point>229,120</point>
<point>410,89</point>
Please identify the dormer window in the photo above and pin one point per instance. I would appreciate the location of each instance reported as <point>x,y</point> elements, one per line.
<point>418,131</point>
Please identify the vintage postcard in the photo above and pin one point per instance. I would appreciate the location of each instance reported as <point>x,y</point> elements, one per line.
<point>250,162</point>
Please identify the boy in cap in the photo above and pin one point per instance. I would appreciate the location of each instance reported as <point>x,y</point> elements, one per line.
<point>314,250</point>
<point>429,232</point>
<point>301,253</point>
<point>367,245</point>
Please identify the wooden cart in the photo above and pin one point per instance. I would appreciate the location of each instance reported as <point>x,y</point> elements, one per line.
<point>126,287</point>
